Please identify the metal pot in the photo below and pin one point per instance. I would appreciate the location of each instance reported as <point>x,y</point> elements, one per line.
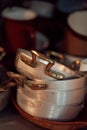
<point>34,65</point>
<point>66,59</point>
<point>64,92</point>
<point>60,97</point>
<point>69,84</point>
<point>43,108</point>
<point>47,110</point>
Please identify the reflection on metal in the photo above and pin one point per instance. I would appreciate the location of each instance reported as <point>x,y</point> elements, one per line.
<point>76,65</point>
<point>21,80</point>
<point>48,71</point>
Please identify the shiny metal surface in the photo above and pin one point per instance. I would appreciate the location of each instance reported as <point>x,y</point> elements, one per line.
<point>57,70</point>
<point>83,65</point>
<point>72,62</point>
<point>70,59</point>
<point>76,65</point>
<point>53,91</point>
<point>69,84</point>
<point>47,110</point>
<point>59,97</point>
<point>47,70</point>
<point>20,80</point>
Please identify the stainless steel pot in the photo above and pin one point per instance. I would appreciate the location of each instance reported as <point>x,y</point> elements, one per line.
<point>47,110</point>
<point>34,65</point>
<point>42,108</point>
<point>61,92</point>
<point>69,84</point>
<point>59,97</point>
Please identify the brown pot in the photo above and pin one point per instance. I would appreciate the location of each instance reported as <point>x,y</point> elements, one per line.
<point>75,35</point>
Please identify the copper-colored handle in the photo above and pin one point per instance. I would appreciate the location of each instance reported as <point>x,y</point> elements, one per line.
<point>8,83</point>
<point>20,80</point>
<point>75,65</point>
<point>33,63</point>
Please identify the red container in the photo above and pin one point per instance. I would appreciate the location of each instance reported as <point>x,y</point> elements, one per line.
<point>19,28</point>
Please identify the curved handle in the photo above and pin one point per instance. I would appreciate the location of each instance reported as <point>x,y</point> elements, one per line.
<point>33,63</point>
<point>8,83</point>
<point>76,65</point>
<point>20,80</point>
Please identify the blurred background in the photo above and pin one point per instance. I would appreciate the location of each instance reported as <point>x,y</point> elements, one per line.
<point>38,24</point>
<point>51,25</point>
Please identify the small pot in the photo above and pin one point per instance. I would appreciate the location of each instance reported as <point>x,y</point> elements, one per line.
<point>34,65</point>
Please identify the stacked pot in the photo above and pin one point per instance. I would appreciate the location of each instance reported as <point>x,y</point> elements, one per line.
<point>48,89</point>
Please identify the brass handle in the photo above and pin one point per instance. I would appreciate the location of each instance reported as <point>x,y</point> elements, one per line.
<point>21,80</point>
<point>33,63</point>
<point>75,65</point>
<point>8,83</point>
